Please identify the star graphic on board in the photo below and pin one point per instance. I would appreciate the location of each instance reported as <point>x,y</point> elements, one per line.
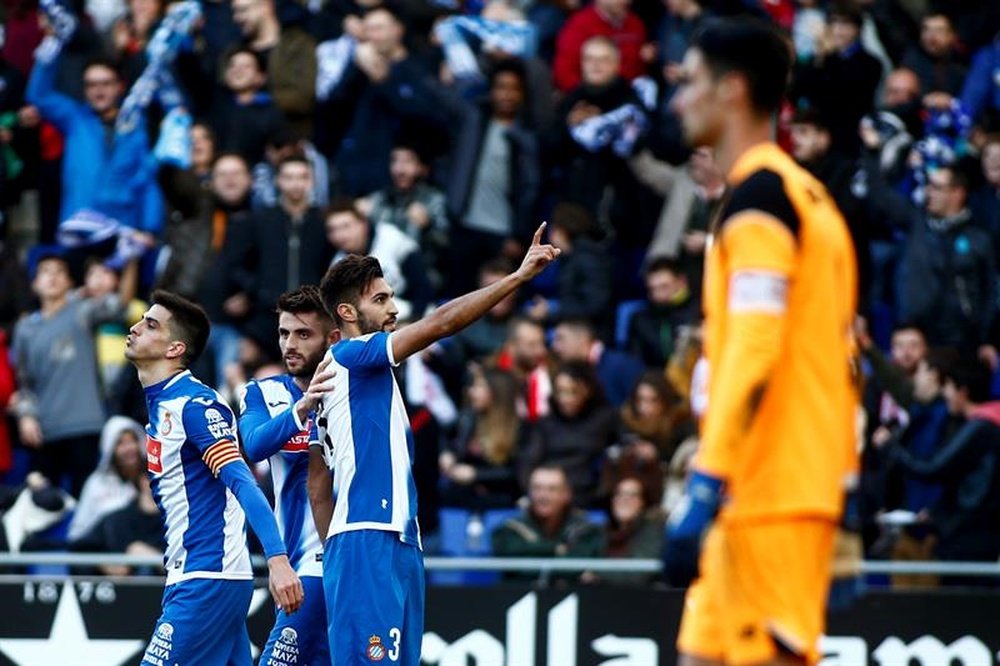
<point>68,643</point>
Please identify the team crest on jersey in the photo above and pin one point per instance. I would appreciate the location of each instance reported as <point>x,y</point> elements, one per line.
<point>165,631</point>
<point>154,461</point>
<point>166,425</point>
<point>376,650</point>
<point>289,636</point>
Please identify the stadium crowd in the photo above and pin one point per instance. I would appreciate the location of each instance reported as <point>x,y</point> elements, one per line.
<point>231,150</point>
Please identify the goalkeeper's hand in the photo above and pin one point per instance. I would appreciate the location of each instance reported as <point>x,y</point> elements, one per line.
<point>687,525</point>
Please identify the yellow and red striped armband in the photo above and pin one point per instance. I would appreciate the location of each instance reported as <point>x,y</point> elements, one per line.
<point>221,454</point>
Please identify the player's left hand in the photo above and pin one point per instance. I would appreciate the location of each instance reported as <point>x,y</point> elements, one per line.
<point>687,525</point>
<point>539,256</point>
<point>286,588</point>
<point>321,384</point>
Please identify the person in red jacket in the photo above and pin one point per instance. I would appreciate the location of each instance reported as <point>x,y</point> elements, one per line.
<point>6,391</point>
<point>602,18</point>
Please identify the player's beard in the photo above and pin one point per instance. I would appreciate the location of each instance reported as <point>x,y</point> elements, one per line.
<point>372,326</point>
<point>309,365</point>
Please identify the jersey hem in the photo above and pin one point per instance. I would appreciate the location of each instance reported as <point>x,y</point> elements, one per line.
<point>214,575</point>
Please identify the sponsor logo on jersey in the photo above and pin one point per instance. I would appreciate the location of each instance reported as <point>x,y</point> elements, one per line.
<point>217,425</point>
<point>375,651</point>
<point>154,463</point>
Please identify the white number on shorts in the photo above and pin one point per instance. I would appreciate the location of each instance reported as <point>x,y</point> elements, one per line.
<point>395,635</point>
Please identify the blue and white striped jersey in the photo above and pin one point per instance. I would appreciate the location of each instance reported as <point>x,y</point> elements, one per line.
<point>191,435</point>
<point>365,433</point>
<point>269,428</point>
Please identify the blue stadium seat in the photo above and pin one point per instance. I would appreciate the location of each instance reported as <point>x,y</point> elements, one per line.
<point>623,315</point>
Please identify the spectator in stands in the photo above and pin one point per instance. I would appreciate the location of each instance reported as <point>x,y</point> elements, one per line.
<point>841,78</point>
<point>287,143</point>
<point>981,90</point>
<point>670,306</point>
<point>7,386</point>
<point>279,249</point>
<point>383,89</point>
<point>135,529</point>
<point>635,528</point>
<point>967,466</point>
<point>611,19</point>
<point>984,202</point>
<point>101,280</point>
<point>592,170</point>
<point>115,481</point>
<point>576,434</point>
<point>682,20</point>
<point>244,115</point>
<point>288,57</point>
<point>413,206</point>
<point>524,355</point>
<point>654,420</point>
<point>495,179</point>
<point>692,196</point>
<point>550,526</point>
<point>130,34</point>
<point>58,405</point>
<point>935,59</point>
<point>576,340</point>
<point>103,169</point>
<point>480,462</point>
<point>349,232</point>
<point>584,273</point>
<point>202,240</point>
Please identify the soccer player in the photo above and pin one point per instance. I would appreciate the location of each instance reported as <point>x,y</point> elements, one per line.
<point>373,571</point>
<point>206,493</point>
<point>777,439</point>
<point>276,416</point>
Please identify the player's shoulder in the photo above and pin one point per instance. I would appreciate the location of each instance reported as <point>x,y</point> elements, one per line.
<point>765,190</point>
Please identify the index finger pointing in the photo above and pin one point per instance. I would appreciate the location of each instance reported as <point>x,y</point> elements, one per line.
<point>537,240</point>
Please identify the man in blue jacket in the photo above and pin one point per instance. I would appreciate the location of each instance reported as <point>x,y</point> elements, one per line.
<point>103,170</point>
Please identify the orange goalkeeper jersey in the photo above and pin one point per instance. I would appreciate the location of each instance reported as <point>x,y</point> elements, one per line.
<point>779,297</point>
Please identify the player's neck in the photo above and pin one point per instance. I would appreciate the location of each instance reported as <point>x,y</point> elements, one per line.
<point>741,135</point>
<point>156,372</point>
<point>350,330</point>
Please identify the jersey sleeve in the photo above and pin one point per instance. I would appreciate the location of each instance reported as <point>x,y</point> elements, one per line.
<point>758,245</point>
<point>366,353</point>
<point>263,435</point>
<point>211,427</point>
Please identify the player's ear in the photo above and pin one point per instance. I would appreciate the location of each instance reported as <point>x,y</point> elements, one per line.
<point>731,87</point>
<point>175,349</point>
<point>347,312</point>
<point>333,337</point>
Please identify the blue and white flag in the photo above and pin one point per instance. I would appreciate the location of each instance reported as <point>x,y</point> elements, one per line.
<point>332,58</point>
<point>619,128</point>
<point>63,26</point>
<point>456,34</point>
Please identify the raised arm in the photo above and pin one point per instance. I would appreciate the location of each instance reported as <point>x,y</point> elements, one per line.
<point>455,315</point>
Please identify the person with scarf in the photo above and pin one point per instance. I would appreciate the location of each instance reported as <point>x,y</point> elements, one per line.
<point>653,331</point>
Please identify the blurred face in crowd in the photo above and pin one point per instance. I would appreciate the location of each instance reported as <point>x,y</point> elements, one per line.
<point>599,63</point>
<point>698,102</point>
<point>613,9</point>
<point>202,147</point>
<point>303,338</point>
<point>843,33</point>
<point>571,343</point>
<point>144,12</point>
<point>908,349</point>
<point>249,16</point>
<point>294,183</point>
<point>405,168</point>
<point>52,279</point>
<point>527,346</point>
<point>665,286</point>
<point>479,394</point>
<point>127,458</point>
<point>937,36</point>
<point>647,403</point>
<point>100,280</point>
<point>347,232</point>
<point>243,73</point>
<point>944,197</point>
<point>507,95</point>
<point>926,383</point>
<point>809,142</point>
<point>231,180</point>
<point>102,88</point>
<point>901,87</point>
<point>550,493</point>
<point>571,395</point>
<point>991,162</point>
<point>506,305</point>
<point>383,31</point>
<point>627,503</point>
<point>956,399</point>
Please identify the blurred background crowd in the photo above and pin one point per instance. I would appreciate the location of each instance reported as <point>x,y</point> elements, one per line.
<point>231,150</point>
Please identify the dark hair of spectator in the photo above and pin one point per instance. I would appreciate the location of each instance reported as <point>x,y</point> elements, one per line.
<point>604,41</point>
<point>411,144</point>
<point>231,53</point>
<point>106,63</point>
<point>572,218</point>
<point>42,253</point>
<point>941,359</point>
<point>347,280</point>
<point>845,12</point>
<point>664,264</point>
<point>304,300</point>
<point>294,159</point>
<point>519,321</point>
<point>188,322</point>
<point>969,374</point>
<point>343,205</point>
<point>207,129</point>
<point>812,117</point>
<point>392,11</point>
<point>959,176</point>
<point>509,66</point>
<point>283,137</point>
<point>752,48</point>
<point>552,467</point>
<point>584,373</point>
<point>229,154</point>
<point>580,325</point>
<point>497,266</point>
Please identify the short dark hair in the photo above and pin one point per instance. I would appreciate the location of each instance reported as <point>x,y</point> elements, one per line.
<point>518,321</point>
<point>230,154</point>
<point>579,324</point>
<point>661,263</point>
<point>102,61</point>
<point>970,374</point>
<point>347,280</point>
<point>846,12</point>
<point>234,51</point>
<point>572,218</point>
<point>343,205</point>
<point>959,176</point>
<point>509,66</point>
<point>752,48</point>
<point>293,159</point>
<point>188,322</point>
<point>304,300</point>
<point>941,360</point>
<point>586,374</point>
